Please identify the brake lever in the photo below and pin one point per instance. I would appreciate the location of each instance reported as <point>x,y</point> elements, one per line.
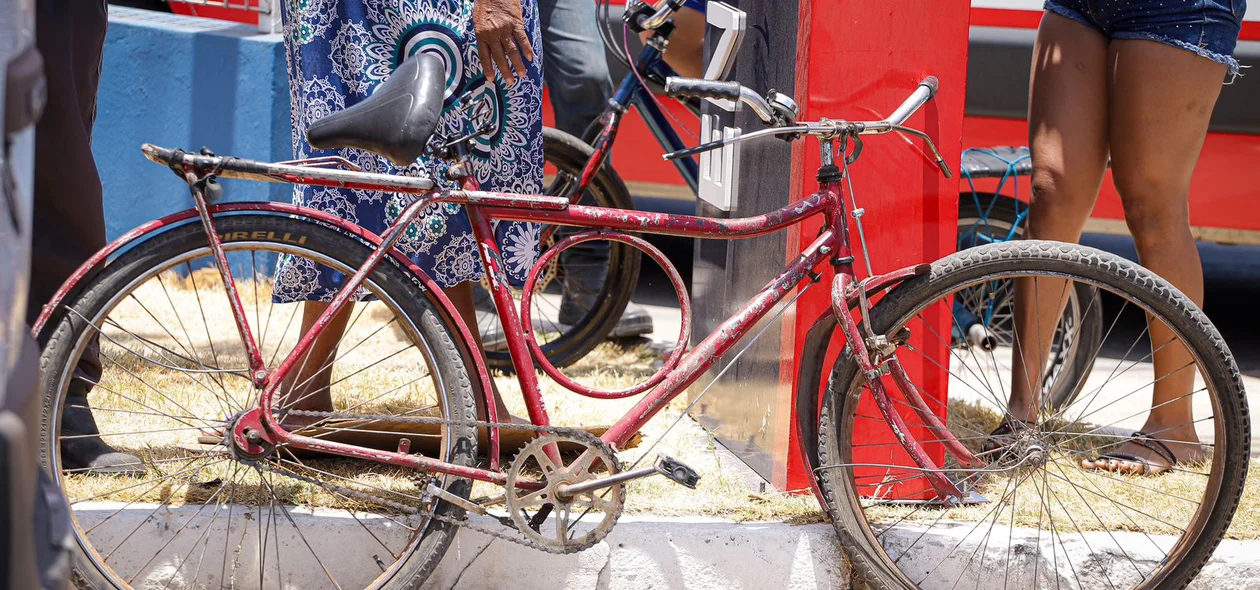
<point>940,160</point>
<point>712,145</point>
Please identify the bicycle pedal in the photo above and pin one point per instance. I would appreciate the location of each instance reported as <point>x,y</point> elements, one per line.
<point>677,471</point>
<point>536,521</point>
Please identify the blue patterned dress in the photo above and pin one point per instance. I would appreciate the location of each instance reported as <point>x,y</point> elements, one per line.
<point>338,52</point>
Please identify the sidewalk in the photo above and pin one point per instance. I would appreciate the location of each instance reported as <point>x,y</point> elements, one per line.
<point>640,553</point>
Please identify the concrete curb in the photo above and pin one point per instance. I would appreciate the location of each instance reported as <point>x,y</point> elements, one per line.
<point>645,552</point>
<point>641,552</point>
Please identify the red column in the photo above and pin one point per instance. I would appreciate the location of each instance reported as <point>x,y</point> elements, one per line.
<point>858,59</point>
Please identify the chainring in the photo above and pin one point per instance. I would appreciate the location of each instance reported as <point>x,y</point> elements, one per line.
<point>560,532</point>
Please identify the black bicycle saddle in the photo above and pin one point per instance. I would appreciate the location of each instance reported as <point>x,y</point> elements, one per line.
<point>396,121</point>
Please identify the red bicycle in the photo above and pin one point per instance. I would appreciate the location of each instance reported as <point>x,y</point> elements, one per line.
<point>238,487</point>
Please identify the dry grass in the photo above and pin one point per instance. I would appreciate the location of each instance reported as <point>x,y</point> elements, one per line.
<point>136,388</point>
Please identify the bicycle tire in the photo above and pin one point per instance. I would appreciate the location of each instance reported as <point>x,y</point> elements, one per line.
<point>416,302</point>
<point>1208,347</point>
<point>569,155</point>
<point>1003,214</point>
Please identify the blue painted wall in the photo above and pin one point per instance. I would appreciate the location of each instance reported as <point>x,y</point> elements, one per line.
<point>185,82</point>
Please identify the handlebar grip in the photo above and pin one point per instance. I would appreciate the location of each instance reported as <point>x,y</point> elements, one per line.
<point>932,85</point>
<point>699,88</point>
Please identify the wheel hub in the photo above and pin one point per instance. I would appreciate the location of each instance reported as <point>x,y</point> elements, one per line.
<point>1030,449</point>
<point>247,438</point>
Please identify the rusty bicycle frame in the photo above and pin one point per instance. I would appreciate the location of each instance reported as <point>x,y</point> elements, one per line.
<point>260,426</point>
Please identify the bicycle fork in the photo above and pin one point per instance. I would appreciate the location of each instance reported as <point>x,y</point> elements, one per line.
<point>874,356</point>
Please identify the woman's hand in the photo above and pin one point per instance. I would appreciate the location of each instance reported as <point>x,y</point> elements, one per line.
<point>501,38</point>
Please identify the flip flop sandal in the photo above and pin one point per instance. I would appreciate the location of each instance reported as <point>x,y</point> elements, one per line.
<point>1002,437</point>
<point>1148,442</point>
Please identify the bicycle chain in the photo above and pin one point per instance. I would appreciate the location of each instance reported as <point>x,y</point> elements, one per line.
<point>577,433</point>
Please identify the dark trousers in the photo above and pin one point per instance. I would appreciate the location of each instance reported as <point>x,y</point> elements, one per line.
<point>69,217</point>
<point>575,69</point>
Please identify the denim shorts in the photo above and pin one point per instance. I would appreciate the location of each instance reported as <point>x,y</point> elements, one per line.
<point>1209,28</point>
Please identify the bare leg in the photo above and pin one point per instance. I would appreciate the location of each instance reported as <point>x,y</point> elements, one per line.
<point>1162,99</point>
<point>308,387</point>
<point>461,296</point>
<point>1067,123</point>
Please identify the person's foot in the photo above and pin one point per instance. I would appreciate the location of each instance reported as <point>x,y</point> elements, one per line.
<point>635,320</point>
<point>82,448</point>
<point>1147,454</point>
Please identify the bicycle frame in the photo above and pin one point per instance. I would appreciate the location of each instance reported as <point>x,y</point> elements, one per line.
<point>632,92</point>
<point>831,246</point>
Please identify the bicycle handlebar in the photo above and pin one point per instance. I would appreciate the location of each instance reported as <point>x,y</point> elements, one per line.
<point>719,89</point>
<point>662,15</point>
<point>922,94</point>
<point>685,87</point>
<point>825,128</point>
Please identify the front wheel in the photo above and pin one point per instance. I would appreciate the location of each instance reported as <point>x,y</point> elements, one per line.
<point>148,361</point>
<point>1030,514</point>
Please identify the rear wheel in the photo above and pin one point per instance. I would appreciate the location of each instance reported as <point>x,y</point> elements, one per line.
<point>1031,516</point>
<point>172,376</point>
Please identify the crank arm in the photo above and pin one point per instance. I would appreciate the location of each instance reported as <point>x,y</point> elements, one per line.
<point>468,505</point>
<point>669,467</point>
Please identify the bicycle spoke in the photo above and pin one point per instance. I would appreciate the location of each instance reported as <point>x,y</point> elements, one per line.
<point>1059,466</point>
<point>959,358</point>
<point>180,319</point>
<point>138,378</point>
<point>132,433</point>
<point>133,412</point>
<point>155,390</point>
<point>1064,479</point>
<point>1125,396</point>
<point>407,497</point>
<point>964,538</point>
<point>1080,381</point>
<point>134,486</point>
<point>1080,533</point>
<point>178,531</point>
<point>205,534</point>
<point>204,322</point>
<point>356,518</point>
<point>285,512</point>
<point>144,520</point>
<point>340,356</point>
<point>1101,524</point>
<point>129,503</point>
<point>253,258</point>
<point>280,341</point>
<point>191,359</point>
